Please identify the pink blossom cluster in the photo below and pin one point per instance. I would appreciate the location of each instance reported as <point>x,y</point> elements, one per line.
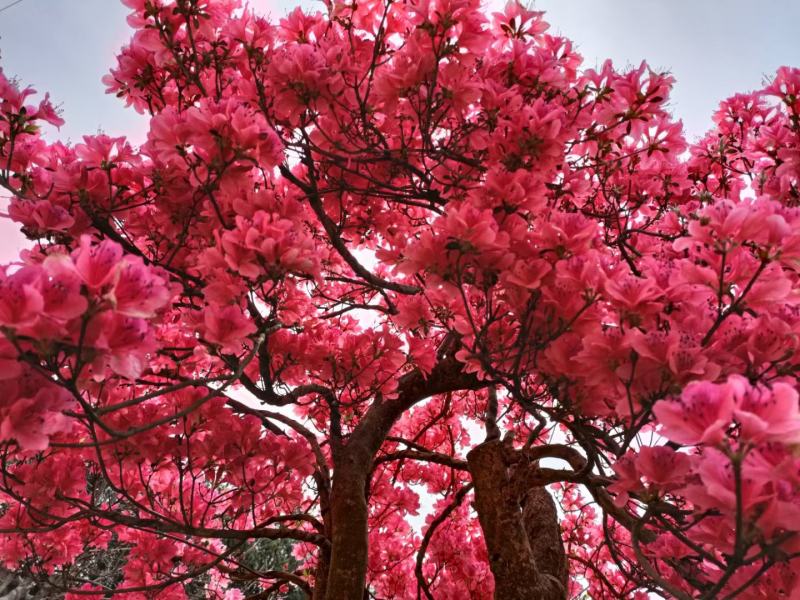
<point>360,244</point>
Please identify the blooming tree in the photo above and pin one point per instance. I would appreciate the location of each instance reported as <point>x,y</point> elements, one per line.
<point>402,285</point>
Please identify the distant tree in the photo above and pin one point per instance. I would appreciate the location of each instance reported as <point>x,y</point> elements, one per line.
<point>14,586</point>
<point>396,301</point>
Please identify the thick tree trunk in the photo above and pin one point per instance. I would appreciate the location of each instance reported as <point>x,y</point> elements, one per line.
<point>348,514</point>
<point>515,534</point>
<point>348,562</point>
<point>540,518</point>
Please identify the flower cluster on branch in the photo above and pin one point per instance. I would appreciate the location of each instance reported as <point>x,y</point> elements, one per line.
<point>405,285</point>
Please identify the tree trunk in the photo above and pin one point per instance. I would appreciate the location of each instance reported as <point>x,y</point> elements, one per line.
<point>349,547</point>
<point>514,548</point>
<point>321,574</point>
<point>540,518</point>
<point>347,522</point>
<point>324,556</point>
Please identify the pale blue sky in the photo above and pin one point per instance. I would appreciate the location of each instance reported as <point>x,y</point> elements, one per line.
<point>713,47</point>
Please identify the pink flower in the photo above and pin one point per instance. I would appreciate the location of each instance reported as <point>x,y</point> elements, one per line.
<point>138,291</point>
<point>423,353</point>
<point>281,244</point>
<point>782,512</point>
<point>61,289</point>
<point>662,466</point>
<point>47,113</point>
<point>473,229</point>
<point>40,215</point>
<point>227,326</point>
<point>718,489</point>
<point>21,302</point>
<point>269,244</point>
<point>653,468</point>
<point>96,263</point>
<point>97,150</point>
<point>702,414</point>
<point>628,479</point>
<point>125,343</point>
<point>767,414</point>
<point>634,294</point>
<point>31,421</point>
<point>528,273</point>
<point>516,21</point>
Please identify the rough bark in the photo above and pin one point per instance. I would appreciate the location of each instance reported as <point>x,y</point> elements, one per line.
<point>540,518</point>
<point>353,462</point>
<point>321,574</point>
<point>349,547</point>
<point>514,548</point>
<point>324,556</point>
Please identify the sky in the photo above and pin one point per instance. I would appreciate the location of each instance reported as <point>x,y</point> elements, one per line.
<point>714,48</point>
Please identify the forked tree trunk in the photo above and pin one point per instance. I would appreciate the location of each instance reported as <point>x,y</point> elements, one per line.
<point>521,532</point>
<point>348,512</point>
